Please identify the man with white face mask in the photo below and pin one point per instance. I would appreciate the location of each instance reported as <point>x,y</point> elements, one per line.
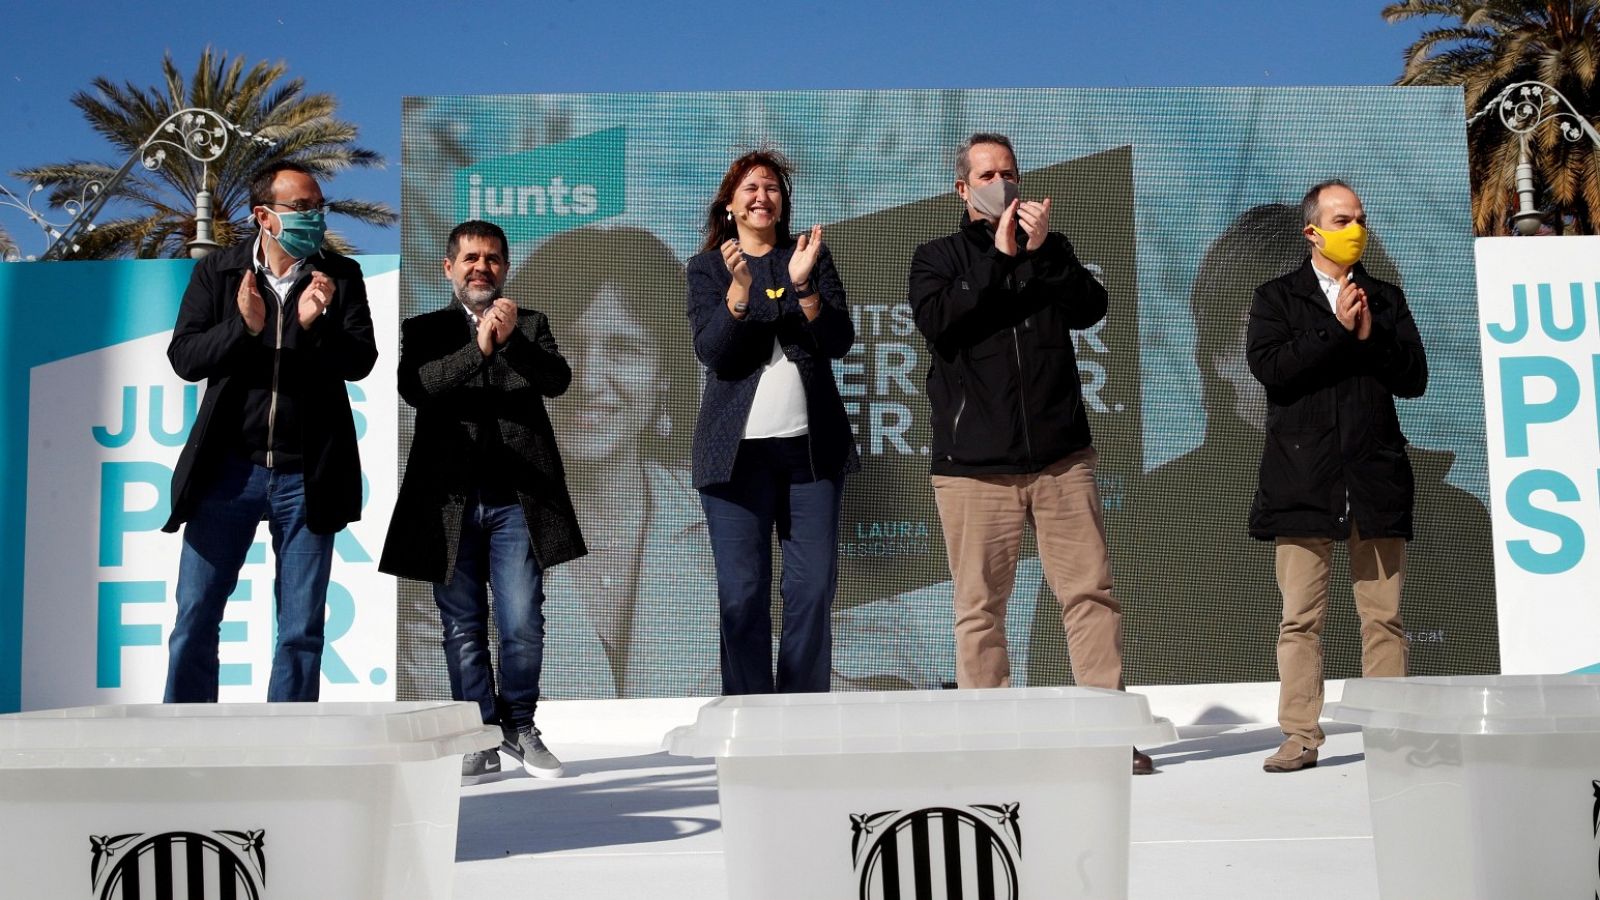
<point>1333,346</point>
<point>997,302</point>
<point>275,325</point>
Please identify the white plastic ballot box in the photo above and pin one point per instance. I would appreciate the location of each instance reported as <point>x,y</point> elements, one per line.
<point>1002,794</point>
<point>1482,786</point>
<point>246,800</point>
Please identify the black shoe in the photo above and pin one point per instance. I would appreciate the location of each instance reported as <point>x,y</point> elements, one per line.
<point>1142,763</point>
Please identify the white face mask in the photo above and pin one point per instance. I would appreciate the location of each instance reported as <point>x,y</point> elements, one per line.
<point>990,200</point>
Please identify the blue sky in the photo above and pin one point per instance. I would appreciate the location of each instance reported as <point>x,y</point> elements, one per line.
<point>370,55</point>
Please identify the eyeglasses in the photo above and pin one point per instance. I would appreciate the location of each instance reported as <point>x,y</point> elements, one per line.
<point>302,206</point>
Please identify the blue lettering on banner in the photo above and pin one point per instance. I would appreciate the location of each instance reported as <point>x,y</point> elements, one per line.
<point>1518,412</point>
<point>157,405</point>
<point>112,634</point>
<point>1520,323</point>
<point>1559,382</point>
<point>1519,504</point>
<point>357,395</point>
<point>341,618</point>
<point>234,632</point>
<point>116,520</point>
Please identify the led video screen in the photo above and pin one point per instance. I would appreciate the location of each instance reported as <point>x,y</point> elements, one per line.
<point>1181,201</point>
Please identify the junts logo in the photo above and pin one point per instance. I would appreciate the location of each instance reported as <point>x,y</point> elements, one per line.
<point>535,193</point>
<point>179,865</point>
<point>940,851</point>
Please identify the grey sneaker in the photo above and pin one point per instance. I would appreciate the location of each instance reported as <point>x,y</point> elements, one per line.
<point>529,749</point>
<point>480,766</point>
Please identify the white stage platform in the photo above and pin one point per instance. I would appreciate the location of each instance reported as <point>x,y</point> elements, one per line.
<point>629,821</point>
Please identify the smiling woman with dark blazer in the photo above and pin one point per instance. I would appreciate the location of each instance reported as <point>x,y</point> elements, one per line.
<point>772,445</point>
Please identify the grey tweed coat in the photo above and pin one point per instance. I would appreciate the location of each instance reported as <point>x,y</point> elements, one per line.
<point>454,390</point>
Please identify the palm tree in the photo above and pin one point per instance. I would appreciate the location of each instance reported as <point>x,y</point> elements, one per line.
<point>151,213</point>
<point>1495,43</point>
<point>8,247</point>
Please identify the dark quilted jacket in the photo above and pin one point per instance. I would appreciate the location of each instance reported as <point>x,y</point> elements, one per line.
<point>735,350</point>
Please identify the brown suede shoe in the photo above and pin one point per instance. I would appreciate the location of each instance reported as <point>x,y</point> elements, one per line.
<point>1142,763</point>
<point>1291,757</point>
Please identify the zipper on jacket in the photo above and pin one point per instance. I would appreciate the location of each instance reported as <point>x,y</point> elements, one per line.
<point>277,353</point>
<point>955,426</point>
<point>1022,394</point>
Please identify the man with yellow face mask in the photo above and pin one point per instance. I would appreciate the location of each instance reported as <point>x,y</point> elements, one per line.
<point>1333,346</point>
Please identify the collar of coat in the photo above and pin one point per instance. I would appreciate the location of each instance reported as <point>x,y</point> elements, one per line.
<point>977,230</point>
<point>1303,283</point>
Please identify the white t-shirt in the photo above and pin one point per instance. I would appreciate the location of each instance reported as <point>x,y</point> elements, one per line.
<point>779,407</point>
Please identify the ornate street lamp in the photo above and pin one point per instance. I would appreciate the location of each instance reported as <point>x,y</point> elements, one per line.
<point>200,134</point>
<point>1524,106</point>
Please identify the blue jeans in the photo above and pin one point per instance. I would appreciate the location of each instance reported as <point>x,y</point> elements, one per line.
<point>215,542</point>
<point>772,488</point>
<point>495,550</point>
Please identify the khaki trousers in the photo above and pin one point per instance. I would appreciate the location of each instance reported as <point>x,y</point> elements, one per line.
<point>983,520</point>
<point>1377,573</point>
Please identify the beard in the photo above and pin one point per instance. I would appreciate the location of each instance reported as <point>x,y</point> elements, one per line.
<point>477,299</point>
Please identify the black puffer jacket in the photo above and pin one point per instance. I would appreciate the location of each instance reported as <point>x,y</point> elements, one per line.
<point>1334,451</point>
<point>1003,387</point>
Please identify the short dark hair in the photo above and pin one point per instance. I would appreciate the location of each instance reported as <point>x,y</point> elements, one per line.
<point>1260,244</point>
<point>964,152</point>
<point>718,228</point>
<point>1311,203</point>
<point>261,180</point>
<point>477,228</point>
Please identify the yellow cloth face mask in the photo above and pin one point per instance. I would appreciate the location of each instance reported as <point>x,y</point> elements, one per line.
<point>1345,246</point>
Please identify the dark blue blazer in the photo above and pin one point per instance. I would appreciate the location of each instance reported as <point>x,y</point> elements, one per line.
<point>735,350</point>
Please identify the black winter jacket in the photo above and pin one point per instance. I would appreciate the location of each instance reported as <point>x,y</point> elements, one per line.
<point>210,342</point>
<point>1334,452</point>
<point>1003,387</point>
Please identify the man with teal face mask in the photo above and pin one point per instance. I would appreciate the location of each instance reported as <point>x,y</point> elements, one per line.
<point>275,325</point>
<point>1333,346</point>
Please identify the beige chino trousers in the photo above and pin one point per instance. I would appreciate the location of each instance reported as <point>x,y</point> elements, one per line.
<point>983,520</point>
<point>1377,573</point>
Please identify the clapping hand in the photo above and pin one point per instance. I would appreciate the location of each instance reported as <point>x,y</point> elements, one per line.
<point>251,306</point>
<point>1351,308</point>
<point>504,313</point>
<point>314,299</point>
<point>806,250</point>
<point>733,258</point>
<point>495,325</point>
<point>1005,231</point>
<point>1035,216</point>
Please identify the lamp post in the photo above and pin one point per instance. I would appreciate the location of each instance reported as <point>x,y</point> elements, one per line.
<point>1524,106</point>
<point>201,134</point>
<point>52,230</point>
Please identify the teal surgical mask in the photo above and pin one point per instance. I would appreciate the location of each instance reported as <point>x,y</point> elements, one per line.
<point>300,234</point>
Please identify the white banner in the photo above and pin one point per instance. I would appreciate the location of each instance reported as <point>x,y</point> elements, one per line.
<point>1539,314</point>
<point>104,432</point>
